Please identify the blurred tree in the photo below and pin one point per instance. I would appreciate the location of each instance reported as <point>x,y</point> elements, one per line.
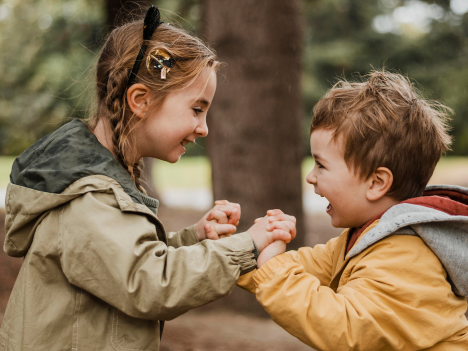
<point>255,121</point>
<point>426,40</point>
<point>47,50</point>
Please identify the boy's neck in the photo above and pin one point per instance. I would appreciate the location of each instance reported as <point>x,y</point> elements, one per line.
<point>380,206</point>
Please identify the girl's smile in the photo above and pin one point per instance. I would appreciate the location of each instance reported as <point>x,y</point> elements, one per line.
<point>165,132</point>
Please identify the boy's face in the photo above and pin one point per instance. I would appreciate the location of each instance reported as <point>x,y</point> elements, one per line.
<point>346,191</point>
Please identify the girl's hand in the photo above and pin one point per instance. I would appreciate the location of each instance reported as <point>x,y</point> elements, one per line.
<point>275,248</point>
<point>219,222</point>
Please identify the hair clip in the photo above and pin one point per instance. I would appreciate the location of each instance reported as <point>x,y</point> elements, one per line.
<point>163,62</point>
<point>151,23</point>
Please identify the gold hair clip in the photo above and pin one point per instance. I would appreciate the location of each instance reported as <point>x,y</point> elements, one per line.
<point>163,62</point>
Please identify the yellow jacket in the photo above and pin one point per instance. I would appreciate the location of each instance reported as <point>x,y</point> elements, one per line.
<point>394,295</point>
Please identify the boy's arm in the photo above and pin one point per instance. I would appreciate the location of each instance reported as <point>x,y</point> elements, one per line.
<point>317,261</point>
<point>394,299</point>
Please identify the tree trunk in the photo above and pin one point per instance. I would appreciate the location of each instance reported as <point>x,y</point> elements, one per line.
<point>255,121</point>
<point>114,10</point>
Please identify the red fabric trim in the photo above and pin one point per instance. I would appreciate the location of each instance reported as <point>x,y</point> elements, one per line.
<point>450,202</point>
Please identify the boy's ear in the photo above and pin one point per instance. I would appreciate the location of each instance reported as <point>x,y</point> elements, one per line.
<point>380,183</point>
<point>138,99</point>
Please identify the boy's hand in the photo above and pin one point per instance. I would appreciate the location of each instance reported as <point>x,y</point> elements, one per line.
<point>279,220</point>
<point>281,227</point>
<point>275,248</point>
<point>221,221</point>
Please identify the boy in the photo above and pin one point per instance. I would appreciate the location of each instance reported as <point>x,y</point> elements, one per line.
<point>397,278</point>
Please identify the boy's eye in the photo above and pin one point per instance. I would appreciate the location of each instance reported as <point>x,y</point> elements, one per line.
<point>319,165</point>
<point>197,110</point>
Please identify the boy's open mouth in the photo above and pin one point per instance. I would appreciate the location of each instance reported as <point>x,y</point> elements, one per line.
<point>329,207</point>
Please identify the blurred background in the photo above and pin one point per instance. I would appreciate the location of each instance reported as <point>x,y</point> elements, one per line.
<point>280,57</point>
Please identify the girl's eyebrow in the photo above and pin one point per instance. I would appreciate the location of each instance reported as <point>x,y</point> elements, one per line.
<point>202,102</point>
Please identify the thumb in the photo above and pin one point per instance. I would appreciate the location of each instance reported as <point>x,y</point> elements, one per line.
<point>210,232</point>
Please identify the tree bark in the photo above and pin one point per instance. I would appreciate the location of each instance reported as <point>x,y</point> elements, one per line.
<point>255,121</point>
<point>114,9</point>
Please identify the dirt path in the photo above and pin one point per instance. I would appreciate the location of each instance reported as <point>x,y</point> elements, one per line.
<point>226,331</point>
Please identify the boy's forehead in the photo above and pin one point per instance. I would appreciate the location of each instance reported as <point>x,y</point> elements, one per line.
<point>323,143</point>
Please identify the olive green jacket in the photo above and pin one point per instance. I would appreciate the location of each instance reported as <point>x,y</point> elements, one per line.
<point>99,271</point>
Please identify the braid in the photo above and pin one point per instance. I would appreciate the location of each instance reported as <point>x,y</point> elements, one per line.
<point>116,106</point>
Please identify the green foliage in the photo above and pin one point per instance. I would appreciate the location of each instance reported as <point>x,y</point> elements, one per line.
<point>43,64</point>
<point>49,48</point>
<point>342,41</point>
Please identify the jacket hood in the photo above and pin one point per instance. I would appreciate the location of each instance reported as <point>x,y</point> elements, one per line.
<point>42,176</point>
<point>442,225</point>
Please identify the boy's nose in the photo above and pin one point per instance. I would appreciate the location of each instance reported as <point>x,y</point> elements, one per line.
<point>311,178</point>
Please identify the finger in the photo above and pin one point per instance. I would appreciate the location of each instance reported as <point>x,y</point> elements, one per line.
<point>226,202</point>
<point>224,236</point>
<point>285,225</point>
<point>219,216</point>
<point>231,212</point>
<point>258,219</point>
<point>274,212</point>
<point>223,228</point>
<point>210,233</point>
<point>282,217</point>
<point>279,234</point>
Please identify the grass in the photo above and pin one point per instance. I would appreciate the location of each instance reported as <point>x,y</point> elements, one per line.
<point>195,172</point>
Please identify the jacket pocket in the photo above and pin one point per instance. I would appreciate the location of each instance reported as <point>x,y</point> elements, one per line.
<point>133,334</point>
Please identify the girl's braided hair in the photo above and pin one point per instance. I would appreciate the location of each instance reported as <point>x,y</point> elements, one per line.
<point>112,73</point>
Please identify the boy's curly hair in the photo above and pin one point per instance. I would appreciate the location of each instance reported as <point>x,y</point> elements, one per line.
<point>384,121</point>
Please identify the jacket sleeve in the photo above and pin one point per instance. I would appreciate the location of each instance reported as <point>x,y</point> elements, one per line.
<point>317,261</point>
<point>117,257</point>
<point>185,237</point>
<point>392,300</point>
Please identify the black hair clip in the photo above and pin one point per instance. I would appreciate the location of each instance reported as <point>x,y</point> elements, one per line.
<point>151,23</point>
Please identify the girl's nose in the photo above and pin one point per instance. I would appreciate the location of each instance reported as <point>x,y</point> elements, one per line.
<point>202,128</point>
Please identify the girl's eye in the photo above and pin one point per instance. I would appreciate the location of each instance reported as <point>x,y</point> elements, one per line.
<point>197,110</point>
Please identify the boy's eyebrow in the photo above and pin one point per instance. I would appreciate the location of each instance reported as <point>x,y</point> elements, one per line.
<point>316,156</point>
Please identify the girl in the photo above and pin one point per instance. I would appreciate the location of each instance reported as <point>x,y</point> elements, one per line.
<point>99,271</point>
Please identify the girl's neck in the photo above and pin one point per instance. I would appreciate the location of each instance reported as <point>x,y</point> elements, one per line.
<point>103,133</point>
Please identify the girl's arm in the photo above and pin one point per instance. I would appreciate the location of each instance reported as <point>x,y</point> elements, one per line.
<point>221,221</point>
<point>117,257</point>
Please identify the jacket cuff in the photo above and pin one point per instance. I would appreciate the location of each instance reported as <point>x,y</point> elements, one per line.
<point>240,249</point>
<point>269,268</point>
<point>185,237</point>
<point>246,281</point>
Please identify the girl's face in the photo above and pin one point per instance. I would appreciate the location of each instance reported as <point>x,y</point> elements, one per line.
<point>164,133</point>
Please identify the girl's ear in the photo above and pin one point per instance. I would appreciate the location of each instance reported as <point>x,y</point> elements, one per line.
<point>138,96</point>
<point>380,183</point>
